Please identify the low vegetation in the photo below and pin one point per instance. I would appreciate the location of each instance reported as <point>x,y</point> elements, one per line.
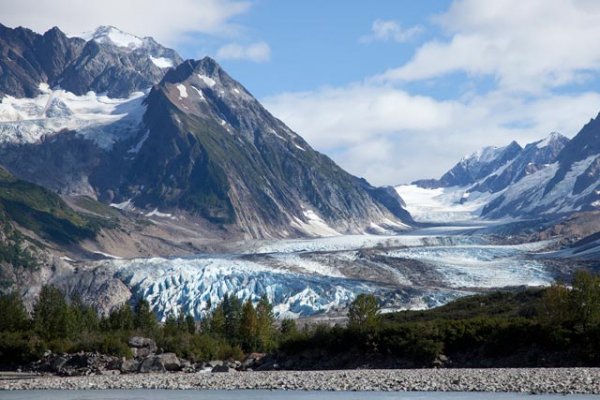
<point>44,212</point>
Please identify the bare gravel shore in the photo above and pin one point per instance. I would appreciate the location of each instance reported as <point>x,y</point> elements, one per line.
<point>542,380</point>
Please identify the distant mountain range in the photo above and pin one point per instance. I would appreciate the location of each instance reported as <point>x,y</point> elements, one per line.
<point>552,176</point>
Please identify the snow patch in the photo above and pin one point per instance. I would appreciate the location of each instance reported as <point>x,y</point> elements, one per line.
<point>314,225</point>
<point>162,62</point>
<point>125,205</point>
<point>156,213</point>
<point>548,140</point>
<point>453,204</point>
<point>182,91</point>
<point>208,81</point>
<point>200,94</point>
<point>110,34</point>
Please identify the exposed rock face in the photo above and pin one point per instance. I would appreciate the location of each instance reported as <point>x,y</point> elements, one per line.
<point>212,149</point>
<point>102,64</point>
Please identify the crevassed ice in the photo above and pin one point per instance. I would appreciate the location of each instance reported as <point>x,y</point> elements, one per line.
<point>96,117</point>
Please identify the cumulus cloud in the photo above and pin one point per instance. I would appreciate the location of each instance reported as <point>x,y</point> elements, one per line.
<point>387,30</point>
<point>390,136</point>
<point>167,21</point>
<point>257,52</point>
<point>526,46</point>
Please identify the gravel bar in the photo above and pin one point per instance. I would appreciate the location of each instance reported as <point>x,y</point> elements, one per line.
<point>528,380</point>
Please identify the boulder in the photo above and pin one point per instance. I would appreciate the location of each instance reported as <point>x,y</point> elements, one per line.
<point>252,360</point>
<point>129,366</point>
<point>222,368</point>
<point>169,361</point>
<point>58,363</point>
<point>151,364</point>
<point>142,347</point>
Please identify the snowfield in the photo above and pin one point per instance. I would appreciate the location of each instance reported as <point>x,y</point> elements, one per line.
<point>95,117</point>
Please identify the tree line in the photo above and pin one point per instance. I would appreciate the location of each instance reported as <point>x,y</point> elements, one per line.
<point>554,326</point>
<point>66,324</point>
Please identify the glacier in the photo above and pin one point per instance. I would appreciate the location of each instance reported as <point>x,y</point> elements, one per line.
<point>308,277</point>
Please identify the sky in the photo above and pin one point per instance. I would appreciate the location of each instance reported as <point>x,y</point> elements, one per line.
<point>392,90</point>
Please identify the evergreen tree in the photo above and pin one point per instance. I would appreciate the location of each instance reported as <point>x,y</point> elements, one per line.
<point>120,319</point>
<point>216,322</point>
<point>13,315</point>
<point>190,324</point>
<point>585,299</point>
<point>289,327</point>
<point>85,317</point>
<point>232,309</point>
<point>52,318</point>
<point>363,314</point>
<point>265,319</point>
<point>144,319</point>
<point>249,327</point>
<point>171,326</point>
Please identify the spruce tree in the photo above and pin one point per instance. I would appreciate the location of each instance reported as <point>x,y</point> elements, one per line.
<point>52,318</point>
<point>249,327</point>
<point>144,319</point>
<point>13,315</point>
<point>265,319</point>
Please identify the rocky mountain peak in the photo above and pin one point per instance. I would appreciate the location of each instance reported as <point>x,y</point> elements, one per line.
<point>552,140</point>
<point>115,36</point>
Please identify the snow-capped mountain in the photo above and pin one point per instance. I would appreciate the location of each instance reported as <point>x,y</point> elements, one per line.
<point>109,62</point>
<point>211,148</point>
<point>107,116</point>
<point>548,177</point>
<point>472,168</point>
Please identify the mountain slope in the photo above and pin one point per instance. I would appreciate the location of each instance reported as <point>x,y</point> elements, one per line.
<point>212,149</point>
<point>196,146</point>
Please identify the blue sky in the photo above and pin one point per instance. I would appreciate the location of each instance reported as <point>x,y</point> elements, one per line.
<point>311,49</point>
<point>392,90</point>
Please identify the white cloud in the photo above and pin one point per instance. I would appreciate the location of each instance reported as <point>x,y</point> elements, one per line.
<point>390,136</point>
<point>386,30</point>
<point>167,21</point>
<point>257,52</point>
<point>525,45</point>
